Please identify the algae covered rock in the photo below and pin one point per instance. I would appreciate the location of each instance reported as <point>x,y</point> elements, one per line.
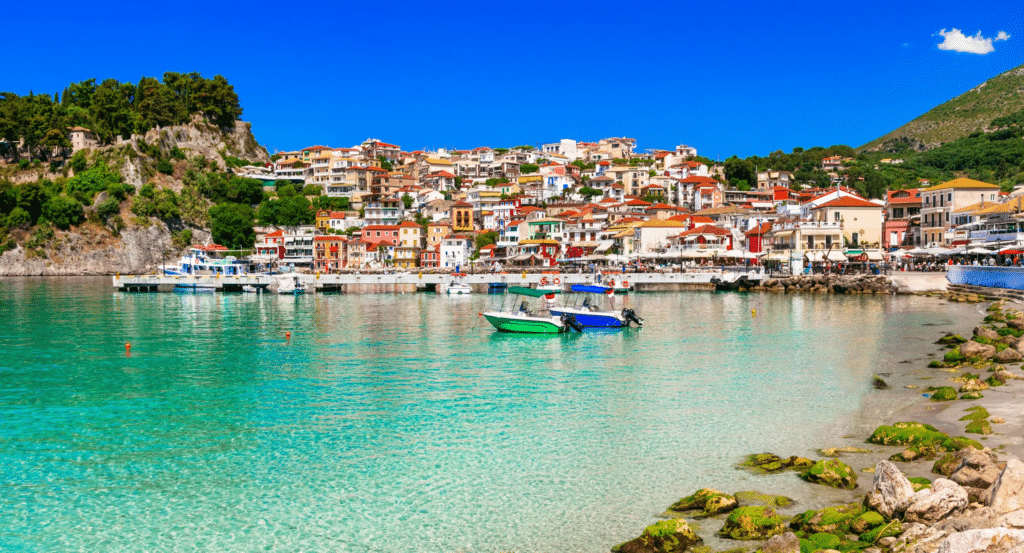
<point>719,502</point>
<point>772,463</point>
<point>905,433</point>
<point>973,385</point>
<point>831,472</point>
<point>972,395</point>
<point>982,427</point>
<point>919,483</point>
<point>976,413</point>
<point>916,453</point>
<point>834,520</point>
<point>749,498</point>
<point>753,523</point>
<point>868,520</point>
<point>952,340</point>
<point>665,536</point>
<point>836,451</point>
<point>943,393</point>
<point>890,529</point>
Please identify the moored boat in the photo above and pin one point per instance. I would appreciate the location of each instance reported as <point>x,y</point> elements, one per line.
<point>585,306</point>
<point>290,284</point>
<point>458,285</point>
<point>520,317</point>
<point>206,261</point>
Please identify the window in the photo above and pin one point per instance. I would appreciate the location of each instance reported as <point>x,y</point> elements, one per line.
<point>836,216</point>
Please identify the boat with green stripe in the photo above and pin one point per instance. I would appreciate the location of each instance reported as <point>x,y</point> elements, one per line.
<point>520,317</point>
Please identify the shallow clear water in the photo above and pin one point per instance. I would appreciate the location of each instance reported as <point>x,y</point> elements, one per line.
<point>404,423</point>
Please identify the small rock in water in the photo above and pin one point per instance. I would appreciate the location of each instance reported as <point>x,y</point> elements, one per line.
<point>878,383</point>
<point>868,469</point>
<point>997,420</point>
<point>910,386</point>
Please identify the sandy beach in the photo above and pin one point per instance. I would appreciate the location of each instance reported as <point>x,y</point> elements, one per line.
<point>906,400</point>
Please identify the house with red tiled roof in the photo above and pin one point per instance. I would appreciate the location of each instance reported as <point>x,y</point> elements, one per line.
<point>901,206</point>
<point>704,237</point>
<point>329,253</point>
<point>859,219</point>
<point>756,237</point>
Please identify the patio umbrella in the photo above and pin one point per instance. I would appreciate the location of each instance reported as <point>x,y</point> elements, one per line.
<point>981,251</point>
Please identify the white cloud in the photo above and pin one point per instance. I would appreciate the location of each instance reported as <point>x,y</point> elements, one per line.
<point>958,42</point>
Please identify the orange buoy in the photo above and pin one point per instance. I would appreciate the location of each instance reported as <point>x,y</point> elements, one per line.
<point>288,335</point>
<point>127,349</point>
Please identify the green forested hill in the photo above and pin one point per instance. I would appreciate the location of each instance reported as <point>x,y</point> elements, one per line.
<point>970,112</point>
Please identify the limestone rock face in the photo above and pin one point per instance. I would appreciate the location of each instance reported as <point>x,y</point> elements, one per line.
<point>928,506</point>
<point>889,489</point>
<point>989,540</point>
<point>782,543</point>
<point>1007,492</point>
<point>138,250</point>
<point>974,349</point>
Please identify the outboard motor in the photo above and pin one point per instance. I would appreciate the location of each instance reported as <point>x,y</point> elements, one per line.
<point>570,321</point>
<point>630,316</point>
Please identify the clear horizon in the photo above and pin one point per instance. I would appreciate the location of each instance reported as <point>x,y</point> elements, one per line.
<point>727,79</point>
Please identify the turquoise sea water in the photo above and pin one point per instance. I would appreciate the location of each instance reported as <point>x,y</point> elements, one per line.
<point>404,423</point>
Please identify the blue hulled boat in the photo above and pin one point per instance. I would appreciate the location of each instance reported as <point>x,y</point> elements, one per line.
<point>586,307</point>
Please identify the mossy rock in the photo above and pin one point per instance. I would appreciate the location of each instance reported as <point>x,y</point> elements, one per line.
<point>891,529</point>
<point>973,385</point>
<point>982,427</point>
<point>995,307</point>
<point>952,340</point>
<point>956,443</point>
<point>707,500</point>
<point>954,356</point>
<point>824,540</point>
<point>768,463</point>
<point>867,520</point>
<point>664,536</point>
<point>749,498</point>
<point>835,451</point>
<point>995,318</point>
<point>753,523</point>
<point>943,393</point>
<point>976,413</point>
<point>993,381</point>
<point>919,483</point>
<point>916,453</point>
<point>946,464</point>
<point>905,433</point>
<point>831,472</point>
<point>972,395</point>
<point>836,520</point>
<point>983,340</point>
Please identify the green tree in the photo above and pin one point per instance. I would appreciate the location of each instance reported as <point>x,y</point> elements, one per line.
<point>231,225</point>
<point>19,218</point>
<point>63,212</point>
<point>407,200</point>
<point>529,168</point>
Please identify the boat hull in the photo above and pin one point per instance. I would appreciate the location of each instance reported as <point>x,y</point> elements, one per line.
<point>592,319</point>
<point>194,289</point>
<point>525,325</point>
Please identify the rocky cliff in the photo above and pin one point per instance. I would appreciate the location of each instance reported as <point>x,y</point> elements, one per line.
<point>94,249</point>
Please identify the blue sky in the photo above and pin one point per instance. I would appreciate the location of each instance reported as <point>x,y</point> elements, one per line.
<point>727,78</point>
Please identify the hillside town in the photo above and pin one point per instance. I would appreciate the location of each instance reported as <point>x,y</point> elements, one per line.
<point>585,202</point>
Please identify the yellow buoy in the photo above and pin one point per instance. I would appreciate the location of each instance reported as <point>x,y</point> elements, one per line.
<point>753,312</point>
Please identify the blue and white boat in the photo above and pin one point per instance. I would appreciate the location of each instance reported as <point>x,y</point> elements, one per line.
<point>205,261</point>
<point>585,305</point>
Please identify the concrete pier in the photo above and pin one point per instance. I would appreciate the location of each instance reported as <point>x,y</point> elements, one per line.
<point>401,282</point>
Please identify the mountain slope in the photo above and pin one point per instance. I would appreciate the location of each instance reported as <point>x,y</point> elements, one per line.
<point>970,112</point>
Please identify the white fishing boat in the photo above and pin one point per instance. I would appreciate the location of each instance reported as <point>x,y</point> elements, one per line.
<point>458,285</point>
<point>290,283</point>
<point>207,261</point>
